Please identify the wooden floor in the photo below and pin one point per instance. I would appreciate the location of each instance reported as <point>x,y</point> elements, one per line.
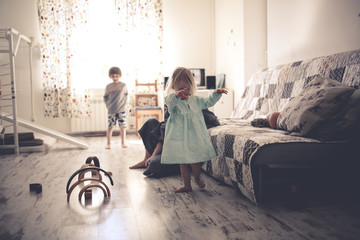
<point>146,208</point>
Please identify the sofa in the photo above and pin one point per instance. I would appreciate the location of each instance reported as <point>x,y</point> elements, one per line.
<point>319,104</point>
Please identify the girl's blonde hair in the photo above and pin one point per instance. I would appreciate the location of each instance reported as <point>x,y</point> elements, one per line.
<point>181,73</point>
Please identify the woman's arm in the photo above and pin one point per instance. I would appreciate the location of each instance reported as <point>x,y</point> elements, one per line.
<point>157,150</point>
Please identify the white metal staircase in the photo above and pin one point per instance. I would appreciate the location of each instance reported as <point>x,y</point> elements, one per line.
<point>10,40</point>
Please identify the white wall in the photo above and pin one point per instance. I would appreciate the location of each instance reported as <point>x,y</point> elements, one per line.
<point>229,43</point>
<point>188,35</point>
<point>241,42</point>
<point>255,37</point>
<point>303,29</point>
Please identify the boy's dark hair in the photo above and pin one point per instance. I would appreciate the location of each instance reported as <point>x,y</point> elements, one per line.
<point>114,70</point>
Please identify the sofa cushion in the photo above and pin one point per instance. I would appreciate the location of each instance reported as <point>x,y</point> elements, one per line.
<point>342,125</point>
<point>320,100</point>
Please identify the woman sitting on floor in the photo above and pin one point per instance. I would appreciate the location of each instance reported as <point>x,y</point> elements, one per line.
<point>152,134</point>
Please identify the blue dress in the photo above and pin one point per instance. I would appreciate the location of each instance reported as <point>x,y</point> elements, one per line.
<point>187,139</point>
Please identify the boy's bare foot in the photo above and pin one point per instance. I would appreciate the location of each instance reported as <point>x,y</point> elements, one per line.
<point>139,165</point>
<point>183,189</point>
<point>200,183</point>
<point>123,146</point>
<point>108,147</point>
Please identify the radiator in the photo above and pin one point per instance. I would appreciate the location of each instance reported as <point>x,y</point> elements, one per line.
<point>97,122</point>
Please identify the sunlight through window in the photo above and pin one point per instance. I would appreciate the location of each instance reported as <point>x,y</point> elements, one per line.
<point>104,44</point>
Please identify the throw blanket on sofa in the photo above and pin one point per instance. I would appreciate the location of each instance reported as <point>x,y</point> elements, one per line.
<point>232,164</point>
<point>269,90</point>
<point>236,141</point>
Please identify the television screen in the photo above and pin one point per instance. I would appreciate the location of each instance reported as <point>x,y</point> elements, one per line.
<point>199,77</point>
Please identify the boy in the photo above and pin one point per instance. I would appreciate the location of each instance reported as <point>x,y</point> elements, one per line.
<point>115,99</point>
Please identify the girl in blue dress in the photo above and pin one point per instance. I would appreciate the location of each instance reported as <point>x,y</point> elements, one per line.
<point>187,141</point>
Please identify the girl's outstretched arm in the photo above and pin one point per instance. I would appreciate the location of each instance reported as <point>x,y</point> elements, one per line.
<point>183,94</point>
<point>220,90</point>
<point>206,102</point>
<point>172,101</point>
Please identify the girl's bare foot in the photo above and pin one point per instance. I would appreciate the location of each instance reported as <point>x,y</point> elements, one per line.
<point>108,146</point>
<point>183,189</point>
<point>124,145</point>
<point>139,165</point>
<point>200,183</point>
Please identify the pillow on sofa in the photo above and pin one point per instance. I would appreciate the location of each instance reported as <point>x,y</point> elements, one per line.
<point>320,99</point>
<point>344,124</point>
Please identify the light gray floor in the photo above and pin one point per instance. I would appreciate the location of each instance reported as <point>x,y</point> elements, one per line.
<point>145,208</point>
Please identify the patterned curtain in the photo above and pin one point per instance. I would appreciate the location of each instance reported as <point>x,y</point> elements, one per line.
<point>59,19</point>
<point>140,35</point>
